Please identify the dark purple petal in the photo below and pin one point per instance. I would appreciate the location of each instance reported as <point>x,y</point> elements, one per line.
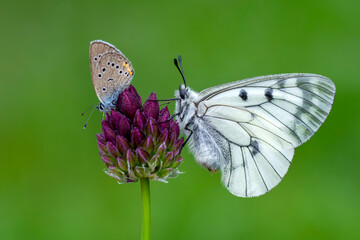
<point>152,129</point>
<point>114,117</point>
<point>130,158</point>
<point>178,144</point>
<point>127,104</point>
<point>122,165</point>
<point>133,91</point>
<point>107,160</point>
<point>105,123</point>
<point>108,119</point>
<point>100,137</point>
<point>174,133</point>
<point>123,125</point>
<point>163,120</point>
<point>151,107</point>
<point>122,144</point>
<point>142,155</point>
<point>148,144</point>
<point>102,147</point>
<point>112,150</point>
<point>139,120</point>
<point>163,137</point>
<point>164,113</point>
<point>137,137</point>
<point>174,129</point>
<point>110,134</point>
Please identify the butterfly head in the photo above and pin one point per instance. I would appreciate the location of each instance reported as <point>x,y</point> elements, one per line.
<point>183,91</point>
<point>103,108</point>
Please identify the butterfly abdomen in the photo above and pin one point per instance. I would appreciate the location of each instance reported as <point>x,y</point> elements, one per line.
<point>205,146</point>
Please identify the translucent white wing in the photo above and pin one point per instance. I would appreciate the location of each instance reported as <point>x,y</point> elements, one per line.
<point>262,120</point>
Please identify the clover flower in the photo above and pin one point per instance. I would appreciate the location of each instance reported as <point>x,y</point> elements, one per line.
<point>139,141</point>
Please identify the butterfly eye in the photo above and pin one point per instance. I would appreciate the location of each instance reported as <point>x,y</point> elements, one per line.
<point>182,91</point>
<point>101,107</point>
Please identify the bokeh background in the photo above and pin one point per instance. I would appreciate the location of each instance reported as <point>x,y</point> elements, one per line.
<point>52,184</point>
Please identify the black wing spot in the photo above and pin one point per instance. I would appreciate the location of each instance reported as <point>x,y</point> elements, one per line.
<point>110,79</point>
<point>103,69</point>
<point>243,94</point>
<point>254,147</point>
<point>108,63</point>
<point>104,89</point>
<point>120,72</point>
<point>99,75</point>
<point>117,67</point>
<point>112,64</point>
<point>269,94</point>
<point>95,58</point>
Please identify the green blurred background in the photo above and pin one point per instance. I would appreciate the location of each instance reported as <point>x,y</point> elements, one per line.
<point>52,184</point>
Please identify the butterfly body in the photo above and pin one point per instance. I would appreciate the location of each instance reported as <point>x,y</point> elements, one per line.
<point>111,73</point>
<point>249,129</point>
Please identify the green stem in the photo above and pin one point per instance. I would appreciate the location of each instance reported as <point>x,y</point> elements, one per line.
<point>145,196</point>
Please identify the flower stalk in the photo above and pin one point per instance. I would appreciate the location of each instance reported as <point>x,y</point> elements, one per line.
<point>145,197</point>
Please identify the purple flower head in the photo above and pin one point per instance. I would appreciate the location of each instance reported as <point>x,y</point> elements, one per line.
<point>139,141</point>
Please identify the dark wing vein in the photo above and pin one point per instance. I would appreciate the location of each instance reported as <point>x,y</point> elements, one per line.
<point>269,145</point>
<point>294,133</point>
<point>253,125</point>
<point>245,166</point>
<point>294,116</point>
<point>305,100</point>
<point>257,167</point>
<point>267,159</point>
<point>230,165</point>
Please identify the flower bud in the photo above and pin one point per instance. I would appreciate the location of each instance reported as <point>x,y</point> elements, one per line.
<point>139,142</point>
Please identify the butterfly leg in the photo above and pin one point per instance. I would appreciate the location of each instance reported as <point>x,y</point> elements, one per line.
<point>171,117</point>
<point>187,139</point>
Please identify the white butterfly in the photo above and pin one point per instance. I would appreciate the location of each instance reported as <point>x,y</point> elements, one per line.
<point>249,128</point>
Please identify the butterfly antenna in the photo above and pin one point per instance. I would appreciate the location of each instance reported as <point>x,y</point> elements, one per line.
<point>87,120</point>
<point>82,114</point>
<point>177,66</point>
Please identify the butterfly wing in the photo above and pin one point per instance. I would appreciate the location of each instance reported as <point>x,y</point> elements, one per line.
<point>97,49</point>
<point>111,71</point>
<point>262,120</point>
<point>114,73</point>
